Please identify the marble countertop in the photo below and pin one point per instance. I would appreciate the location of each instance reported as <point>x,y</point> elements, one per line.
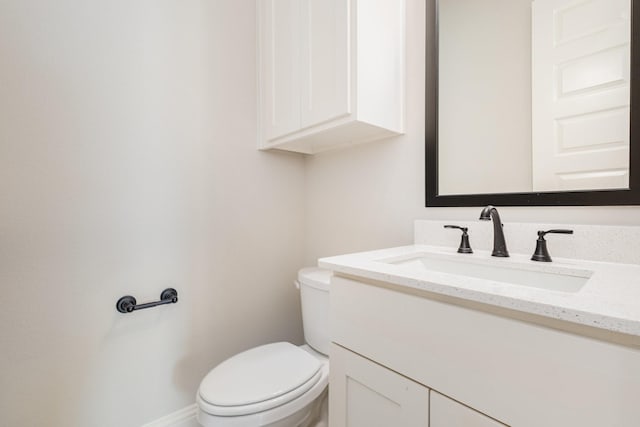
<point>610,299</point>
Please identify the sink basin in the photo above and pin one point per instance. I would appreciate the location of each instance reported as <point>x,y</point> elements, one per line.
<point>560,279</point>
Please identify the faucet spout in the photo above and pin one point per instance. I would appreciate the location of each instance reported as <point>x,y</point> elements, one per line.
<point>499,244</point>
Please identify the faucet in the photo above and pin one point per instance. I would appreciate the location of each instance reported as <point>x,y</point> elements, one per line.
<point>499,245</point>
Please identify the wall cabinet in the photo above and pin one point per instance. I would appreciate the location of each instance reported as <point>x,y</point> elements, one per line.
<point>480,368</point>
<point>331,72</point>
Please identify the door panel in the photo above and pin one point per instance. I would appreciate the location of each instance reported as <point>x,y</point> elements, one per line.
<point>325,61</point>
<point>365,394</point>
<point>581,94</point>
<point>281,67</point>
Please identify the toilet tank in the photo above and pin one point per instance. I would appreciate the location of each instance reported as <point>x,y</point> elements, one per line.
<point>314,300</point>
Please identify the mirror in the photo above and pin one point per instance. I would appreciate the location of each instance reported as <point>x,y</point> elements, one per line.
<point>529,102</point>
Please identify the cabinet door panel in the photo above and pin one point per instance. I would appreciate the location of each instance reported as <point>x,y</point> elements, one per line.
<point>581,102</point>
<point>365,394</point>
<point>449,413</point>
<point>280,57</point>
<point>325,61</point>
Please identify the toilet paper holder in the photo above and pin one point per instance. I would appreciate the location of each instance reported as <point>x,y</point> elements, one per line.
<point>127,303</point>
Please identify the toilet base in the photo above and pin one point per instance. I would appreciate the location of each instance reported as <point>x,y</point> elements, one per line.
<point>312,418</point>
<point>321,418</point>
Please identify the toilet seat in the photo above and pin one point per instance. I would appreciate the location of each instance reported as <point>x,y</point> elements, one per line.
<point>259,379</point>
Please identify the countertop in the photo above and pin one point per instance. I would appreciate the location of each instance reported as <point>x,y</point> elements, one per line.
<point>610,299</point>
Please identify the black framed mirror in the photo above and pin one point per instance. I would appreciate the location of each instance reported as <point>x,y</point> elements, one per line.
<point>578,197</point>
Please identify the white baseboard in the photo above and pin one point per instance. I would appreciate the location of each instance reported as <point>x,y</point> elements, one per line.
<point>178,418</point>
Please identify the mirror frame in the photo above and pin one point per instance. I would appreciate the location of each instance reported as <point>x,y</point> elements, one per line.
<point>630,196</point>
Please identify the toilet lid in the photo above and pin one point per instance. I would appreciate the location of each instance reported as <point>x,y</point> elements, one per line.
<point>259,374</point>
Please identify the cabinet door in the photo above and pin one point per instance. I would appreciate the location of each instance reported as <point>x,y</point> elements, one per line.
<point>280,67</point>
<point>325,61</point>
<point>365,394</point>
<point>449,413</point>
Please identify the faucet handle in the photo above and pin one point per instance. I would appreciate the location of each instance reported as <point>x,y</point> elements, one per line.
<point>558,231</point>
<point>541,253</point>
<point>465,247</point>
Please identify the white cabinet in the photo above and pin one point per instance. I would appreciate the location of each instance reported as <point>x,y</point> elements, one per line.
<point>331,72</point>
<point>325,62</point>
<point>281,69</point>
<point>365,394</point>
<point>445,412</point>
<point>486,367</point>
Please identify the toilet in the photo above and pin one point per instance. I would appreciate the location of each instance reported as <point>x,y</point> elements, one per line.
<point>278,384</point>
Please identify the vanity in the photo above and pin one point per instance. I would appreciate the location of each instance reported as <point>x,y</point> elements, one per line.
<point>424,336</point>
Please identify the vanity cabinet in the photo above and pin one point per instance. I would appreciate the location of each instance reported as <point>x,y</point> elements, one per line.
<point>482,366</point>
<point>444,412</point>
<point>366,394</point>
<point>331,72</point>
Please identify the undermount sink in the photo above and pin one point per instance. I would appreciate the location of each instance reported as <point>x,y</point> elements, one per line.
<point>560,279</point>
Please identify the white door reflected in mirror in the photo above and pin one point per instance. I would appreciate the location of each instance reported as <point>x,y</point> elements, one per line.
<point>533,95</point>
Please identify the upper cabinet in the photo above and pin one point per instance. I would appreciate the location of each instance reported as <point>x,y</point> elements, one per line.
<point>331,72</point>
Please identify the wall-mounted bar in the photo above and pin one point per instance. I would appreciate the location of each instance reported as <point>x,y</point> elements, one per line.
<point>127,303</point>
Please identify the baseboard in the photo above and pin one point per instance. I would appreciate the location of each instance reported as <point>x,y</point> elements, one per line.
<point>177,418</point>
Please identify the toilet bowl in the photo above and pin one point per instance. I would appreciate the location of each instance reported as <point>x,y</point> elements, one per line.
<point>277,384</point>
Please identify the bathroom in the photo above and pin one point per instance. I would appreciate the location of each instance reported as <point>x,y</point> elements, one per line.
<point>129,164</point>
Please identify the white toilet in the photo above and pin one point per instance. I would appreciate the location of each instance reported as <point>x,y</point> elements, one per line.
<point>278,384</point>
